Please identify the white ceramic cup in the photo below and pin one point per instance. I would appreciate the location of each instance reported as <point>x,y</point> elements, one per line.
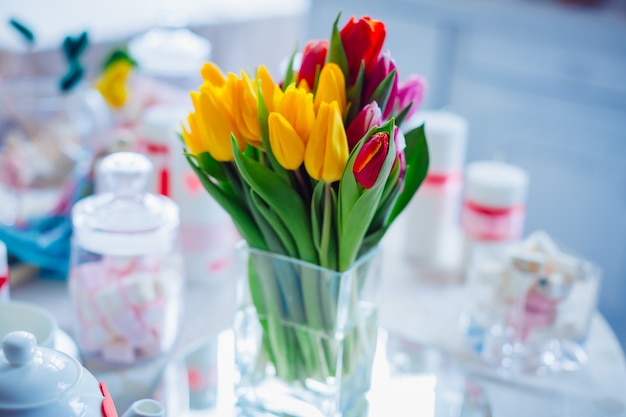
<point>17,315</point>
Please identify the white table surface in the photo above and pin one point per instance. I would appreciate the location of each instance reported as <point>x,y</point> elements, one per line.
<point>413,306</point>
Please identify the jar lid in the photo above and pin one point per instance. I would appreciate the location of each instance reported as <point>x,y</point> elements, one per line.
<point>125,220</point>
<point>30,374</point>
<point>495,184</point>
<point>446,134</point>
<point>170,52</point>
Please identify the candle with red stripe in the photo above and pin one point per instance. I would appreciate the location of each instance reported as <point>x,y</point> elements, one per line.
<point>433,234</point>
<point>494,204</point>
<point>4,273</point>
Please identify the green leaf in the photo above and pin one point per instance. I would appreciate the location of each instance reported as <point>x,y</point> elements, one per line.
<point>358,219</point>
<point>281,198</point>
<point>383,91</point>
<point>276,226</point>
<point>317,213</point>
<point>416,153</point>
<point>354,95</point>
<point>210,165</point>
<point>239,213</point>
<point>403,113</point>
<point>265,136</point>
<point>336,51</point>
<point>289,74</point>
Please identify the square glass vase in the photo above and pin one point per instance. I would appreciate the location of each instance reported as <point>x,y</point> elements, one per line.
<point>305,336</point>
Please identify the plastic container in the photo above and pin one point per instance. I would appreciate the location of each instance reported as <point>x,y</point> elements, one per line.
<point>127,273</point>
<point>207,234</point>
<point>433,233</point>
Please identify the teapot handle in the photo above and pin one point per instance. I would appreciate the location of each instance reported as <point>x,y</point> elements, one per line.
<point>145,408</point>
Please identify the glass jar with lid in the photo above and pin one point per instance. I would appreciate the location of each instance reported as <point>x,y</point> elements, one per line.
<point>126,273</point>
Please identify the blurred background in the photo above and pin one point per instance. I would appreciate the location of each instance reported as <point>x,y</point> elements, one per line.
<point>542,84</point>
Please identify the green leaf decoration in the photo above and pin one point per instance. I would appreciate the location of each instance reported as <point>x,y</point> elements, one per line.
<point>241,216</point>
<point>417,161</point>
<point>117,55</point>
<point>73,47</point>
<point>281,198</point>
<point>383,91</point>
<point>72,77</point>
<point>24,31</point>
<point>336,51</point>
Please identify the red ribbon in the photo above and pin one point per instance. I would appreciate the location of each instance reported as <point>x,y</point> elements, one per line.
<point>493,211</point>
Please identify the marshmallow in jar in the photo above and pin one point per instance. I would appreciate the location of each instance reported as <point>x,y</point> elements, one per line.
<point>207,234</point>
<point>432,227</point>
<point>126,274</point>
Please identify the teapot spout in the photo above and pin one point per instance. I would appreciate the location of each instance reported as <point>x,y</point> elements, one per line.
<point>145,408</point>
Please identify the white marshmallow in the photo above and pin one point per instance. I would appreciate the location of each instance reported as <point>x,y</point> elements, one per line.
<point>94,336</point>
<point>139,288</point>
<point>109,300</point>
<point>118,351</point>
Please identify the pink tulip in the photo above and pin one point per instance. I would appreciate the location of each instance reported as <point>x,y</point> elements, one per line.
<point>368,117</point>
<point>381,68</point>
<point>313,57</point>
<point>411,90</point>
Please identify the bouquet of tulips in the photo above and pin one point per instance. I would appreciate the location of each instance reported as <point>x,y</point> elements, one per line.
<point>313,167</point>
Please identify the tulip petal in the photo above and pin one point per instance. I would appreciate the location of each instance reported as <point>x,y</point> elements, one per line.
<point>212,75</point>
<point>327,150</point>
<point>287,146</point>
<point>331,87</point>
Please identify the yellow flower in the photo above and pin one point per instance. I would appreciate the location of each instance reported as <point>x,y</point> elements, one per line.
<point>296,105</point>
<point>112,83</point>
<point>287,145</point>
<point>211,74</point>
<point>246,109</point>
<point>271,91</point>
<point>212,123</point>
<point>331,87</point>
<point>326,152</point>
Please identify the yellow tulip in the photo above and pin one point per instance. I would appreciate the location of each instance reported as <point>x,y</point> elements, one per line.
<point>112,83</point>
<point>331,87</point>
<point>287,146</point>
<point>211,74</point>
<point>271,91</point>
<point>211,125</point>
<point>296,106</point>
<point>246,110</point>
<point>326,152</point>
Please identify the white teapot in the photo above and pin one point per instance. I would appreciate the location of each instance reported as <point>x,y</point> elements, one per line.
<point>40,382</point>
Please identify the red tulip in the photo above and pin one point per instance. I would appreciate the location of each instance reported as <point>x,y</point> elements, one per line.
<point>368,117</point>
<point>370,159</point>
<point>411,90</point>
<point>313,57</point>
<point>362,40</point>
<point>382,67</point>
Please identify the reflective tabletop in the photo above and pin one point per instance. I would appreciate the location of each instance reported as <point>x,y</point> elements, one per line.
<point>409,379</point>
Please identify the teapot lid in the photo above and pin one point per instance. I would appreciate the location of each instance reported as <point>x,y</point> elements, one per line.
<point>30,375</point>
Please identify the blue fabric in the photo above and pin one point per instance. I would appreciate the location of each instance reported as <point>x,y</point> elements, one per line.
<point>46,242</point>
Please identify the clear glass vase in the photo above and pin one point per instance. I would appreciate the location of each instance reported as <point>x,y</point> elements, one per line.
<point>305,336</point>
